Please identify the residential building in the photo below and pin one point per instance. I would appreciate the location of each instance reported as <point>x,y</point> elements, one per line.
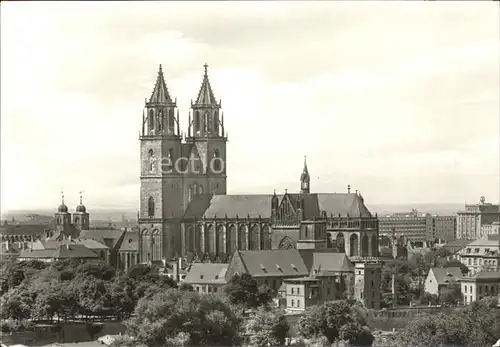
<point>481,254</point>
<point>480,285</point>
<point>471,220</point>
<point>207,277</point>
<point>102,251</point>
<point>440,277</point>
<point>21,235</point>
<point>453,247</point>
<point>185,209</point>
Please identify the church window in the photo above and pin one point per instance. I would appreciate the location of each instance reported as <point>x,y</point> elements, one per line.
<point>151,207</point>
<point>151,119</point>
<point>171,120</point>
<point>160,120</point>
<point>216,122</point>
<point>197,121</point>
<point>190,193</point>
<point>200,190</point>
<point>195,189</point>
<point>217,163</point>
<point>151,160</point>
<point>206,121</point>
<point>77,220</point>
<point>59,220</point>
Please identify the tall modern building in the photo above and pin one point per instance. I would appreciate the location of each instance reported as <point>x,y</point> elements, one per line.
<point>185,209</point>
<point>473,222</point>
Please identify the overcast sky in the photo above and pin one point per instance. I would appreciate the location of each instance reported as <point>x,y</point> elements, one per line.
<point>398,99</point>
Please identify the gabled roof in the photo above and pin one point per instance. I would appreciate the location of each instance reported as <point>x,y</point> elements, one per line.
<point>130,242</point>
<point>255,205</point>
<point>273,263</point>
<point>160,93</point>
<point>330,262</point>
<point>207,273</point>
<point>456,245</point>
<point>73,251</point>
<point>108,237</point>
<point>343,204</point>
<point>206,95</point>
<point>446,275</point>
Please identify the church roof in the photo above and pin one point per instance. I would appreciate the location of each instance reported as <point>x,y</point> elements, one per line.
<point>256,205</point>
<point>23,229</point>
<point>160,93</point>
<point>206,95</point>
<point>273,263</point>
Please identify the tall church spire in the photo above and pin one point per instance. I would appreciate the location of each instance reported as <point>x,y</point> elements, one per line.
<point>160,93</point>
<point>206,95</point>
<point>305,179</point>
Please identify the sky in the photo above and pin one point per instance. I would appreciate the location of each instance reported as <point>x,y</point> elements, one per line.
<point>398,99</point>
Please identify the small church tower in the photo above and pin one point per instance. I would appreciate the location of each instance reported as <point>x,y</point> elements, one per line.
<point>81,219</point>
<point>62,216</point>
<point>305,180</point>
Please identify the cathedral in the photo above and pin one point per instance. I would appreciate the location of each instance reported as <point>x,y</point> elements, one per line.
<point>185,210</point>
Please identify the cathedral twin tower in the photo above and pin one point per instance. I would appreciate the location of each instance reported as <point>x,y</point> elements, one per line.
<point>177,166</point>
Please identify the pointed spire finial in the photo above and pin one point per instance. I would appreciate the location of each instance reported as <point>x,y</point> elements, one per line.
<point>349,189</point>
<point>81,197</point>
<point>160,70</point>
<point>62,197</point>
<point>206,69</point>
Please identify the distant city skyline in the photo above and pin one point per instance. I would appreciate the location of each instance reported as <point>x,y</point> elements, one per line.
<point>398,99</point>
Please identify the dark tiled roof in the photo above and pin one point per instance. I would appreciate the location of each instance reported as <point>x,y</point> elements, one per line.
<point>207,273</point>
<point>327,262</point>
<point>109,237</point>
<point>239,205</point>
<point>38,253</point>
<point>455,245</point>
<point>343,204</point>
<point>260,205</point>
<point>23,229</point>
<point>274,263</point>
<point>302,279</point>
<point>444,274</point>
<point>73,251</point>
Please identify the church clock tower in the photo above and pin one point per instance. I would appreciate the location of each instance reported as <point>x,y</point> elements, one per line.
<point>161,195</point>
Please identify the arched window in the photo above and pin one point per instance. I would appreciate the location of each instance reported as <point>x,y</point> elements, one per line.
<point>217,160</point>
<point>216,122</point>
<point>205,122</point>
<point>232,239</point>
<point>242,238</point>
<point>190,193</point>
<point>159,120</point>
<point>151,207</point>
<point>195,189</point>
<point>156,245</point>
<point>151,160</point>
<point>171,120</point>
<point>354,245</point>
<point>211,239</point>
<point>197,121</point>
<point>253,238</point>
<point>146,245</point>
<point>265,238</point>
<point>200,190</point>
<point>151,119</point>
<point>221,244</point>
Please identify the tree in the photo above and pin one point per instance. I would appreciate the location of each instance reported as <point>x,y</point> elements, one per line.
<point>267,328</point>
<point>450,294</point>
<point>337,321</point>
<point>186,287</point>
<point>206,319</point>
<point>16,304</point>
<point>243,290</point>
<point>477,325</point>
